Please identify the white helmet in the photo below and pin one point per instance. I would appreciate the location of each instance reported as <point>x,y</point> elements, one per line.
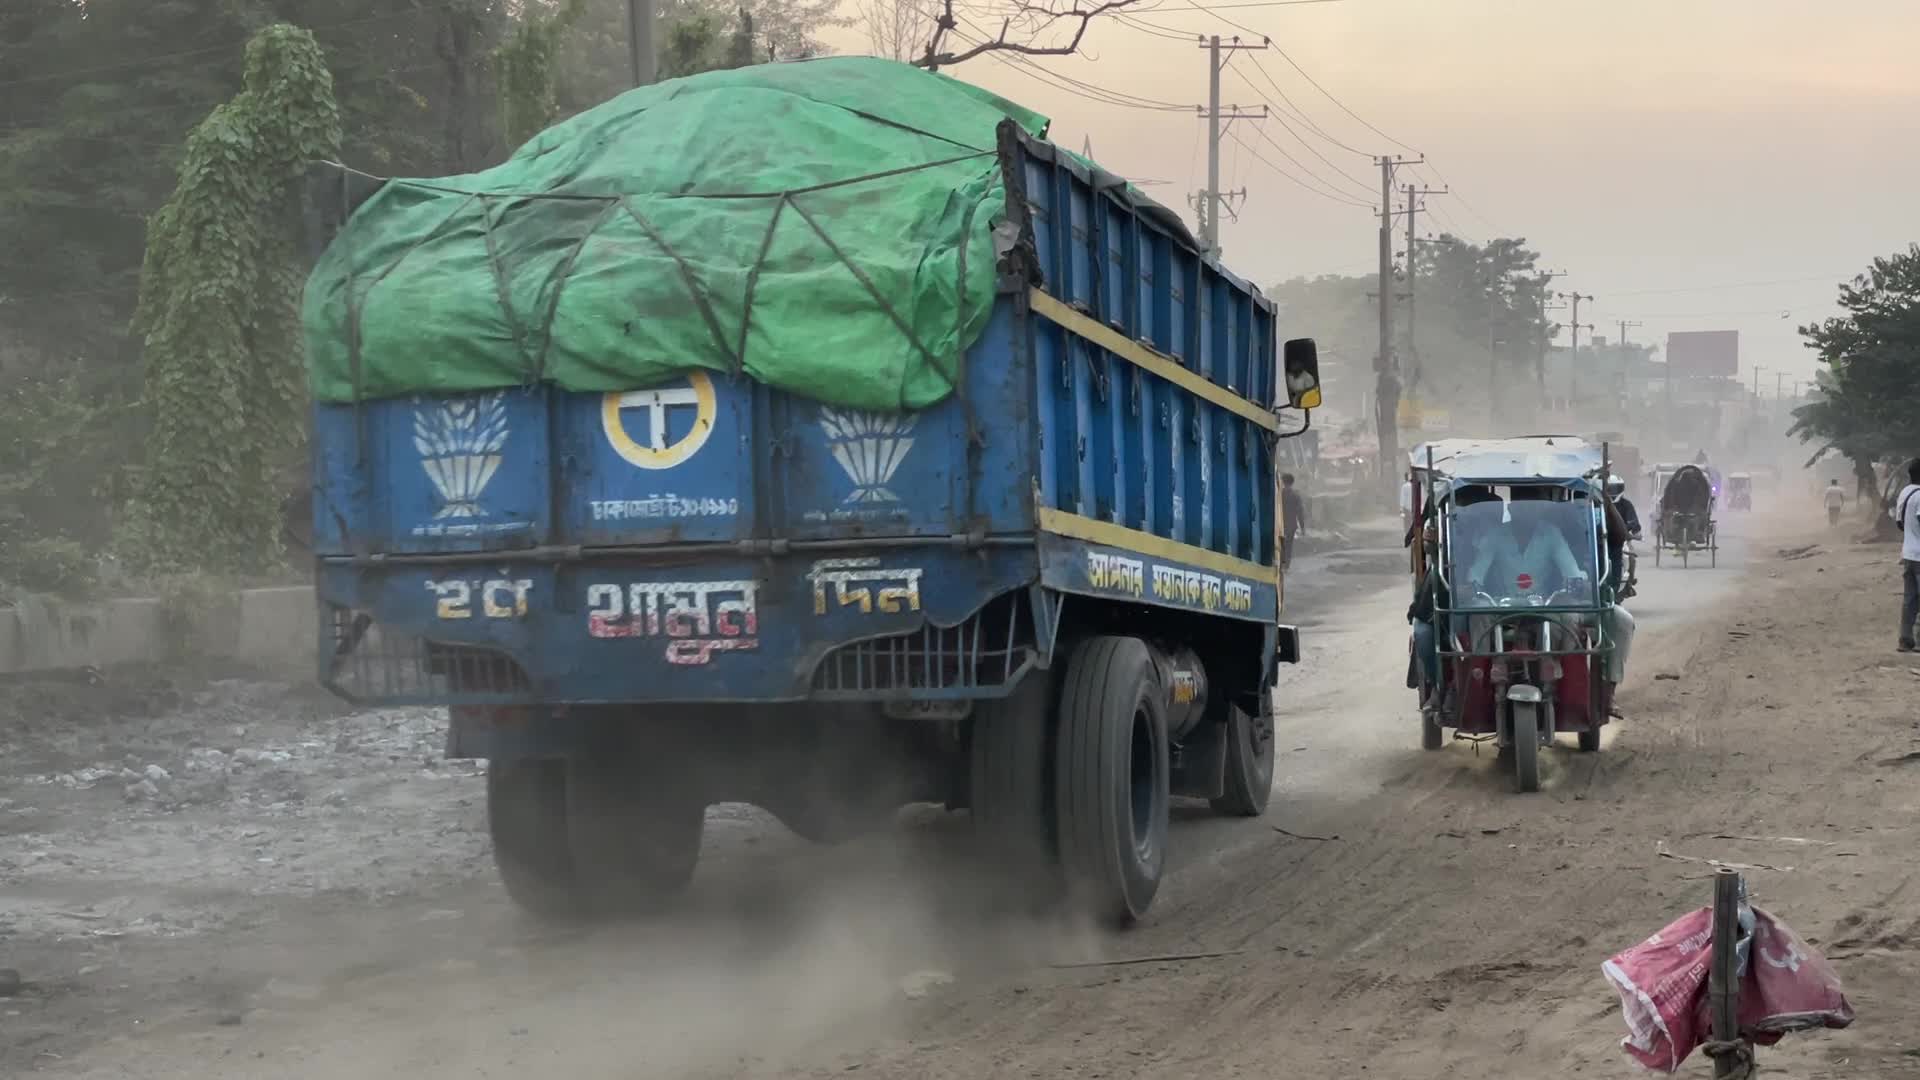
<point>1616,487</point>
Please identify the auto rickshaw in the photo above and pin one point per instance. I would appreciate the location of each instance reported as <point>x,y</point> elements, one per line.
<point>1739,491</point>
<point>1683,523</point>
<point>1519,613</point>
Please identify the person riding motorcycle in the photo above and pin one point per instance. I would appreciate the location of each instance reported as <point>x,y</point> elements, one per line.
<point>1617,493</point>
<point>1624,578</point>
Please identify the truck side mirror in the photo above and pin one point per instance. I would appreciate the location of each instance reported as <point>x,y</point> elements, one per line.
<point>1300,359</point>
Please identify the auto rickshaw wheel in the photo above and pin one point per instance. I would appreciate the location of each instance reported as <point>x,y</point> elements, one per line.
<point>1111,779</point>
<point>1249,781</point>
<point>1590,738</point>
<point>1526,745</point>
<point>1432,735</point>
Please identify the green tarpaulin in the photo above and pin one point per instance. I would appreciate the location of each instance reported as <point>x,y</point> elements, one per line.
<point>824,227</point>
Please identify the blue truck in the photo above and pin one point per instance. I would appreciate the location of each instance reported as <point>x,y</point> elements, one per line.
<point>1053,598</point>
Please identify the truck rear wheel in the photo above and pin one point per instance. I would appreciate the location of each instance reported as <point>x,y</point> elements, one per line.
<point>1009,775</point>
<point>634,834</point>
<point>1111,777</point>
<point>580,838</point>
<point>527,818</point>
<point>1249,763</point>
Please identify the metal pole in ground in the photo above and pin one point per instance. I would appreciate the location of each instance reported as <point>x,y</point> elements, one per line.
<point>1732,1057</point>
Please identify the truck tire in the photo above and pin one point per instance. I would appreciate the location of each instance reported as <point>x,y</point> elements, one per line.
<point>1009,773</point>
<point>634,835</point>
<point>574,839</point>
<point>527,819</point>
<point>1111,777</point>
<point>1249,763</point>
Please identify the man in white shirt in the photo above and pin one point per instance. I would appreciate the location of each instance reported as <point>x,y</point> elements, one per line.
<point>1906,511</point>
<point>1543,549</point>
<point>1835,498</point>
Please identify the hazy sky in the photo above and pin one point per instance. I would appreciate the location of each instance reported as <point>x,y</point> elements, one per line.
<point>1668,154</point>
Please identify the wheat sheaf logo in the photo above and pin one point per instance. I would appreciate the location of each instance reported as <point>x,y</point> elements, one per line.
<point>459,444</point>
<point>869,447</point>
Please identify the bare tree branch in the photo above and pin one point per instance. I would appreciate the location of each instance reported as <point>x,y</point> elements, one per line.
<point>1034,20</point>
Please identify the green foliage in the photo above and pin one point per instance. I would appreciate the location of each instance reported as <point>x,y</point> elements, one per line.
<point>1480,328</point>
<point>218,314</point>
<point>1867,403</point>
<point>525,68</point>
<point>60,441</point>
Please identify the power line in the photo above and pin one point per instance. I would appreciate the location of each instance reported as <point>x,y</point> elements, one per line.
<point>1262,158</point>
<point>1280,116</point>
<point>1337,101</point>
<point>1301,115</point>
<point>1303,74</point>
<point>1084,90</point>
<point>1152,29</point>
<point>1301,165</point>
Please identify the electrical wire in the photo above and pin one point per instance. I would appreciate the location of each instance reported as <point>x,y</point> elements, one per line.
<point>1084,90</point>
<point>1153,29</point>
<point>1280,115</point>
<point>1303,74</point>
<point>1262,158</point>
<point>1302,166</point>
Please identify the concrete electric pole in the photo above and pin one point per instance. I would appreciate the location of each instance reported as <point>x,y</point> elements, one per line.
<point>1210,201</point>
<point>1386,398</point>
<point>640,48</point>
<point>1413,212</point>
<point>1573,352</point>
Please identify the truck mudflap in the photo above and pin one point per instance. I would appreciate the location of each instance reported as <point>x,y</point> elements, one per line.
<point>1286,646</point>
<point>896,621</point>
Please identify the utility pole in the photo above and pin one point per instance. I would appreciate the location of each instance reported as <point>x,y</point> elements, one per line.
<point>1540,356</point>
<point>1413,213</point>
<point>1386,403</point>
<point>1573,354</point>
<point>1210,201</point>
<point>1623,329</point>
<point>640,47</point>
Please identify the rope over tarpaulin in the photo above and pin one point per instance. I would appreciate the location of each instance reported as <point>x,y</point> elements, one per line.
<point>816,226</point>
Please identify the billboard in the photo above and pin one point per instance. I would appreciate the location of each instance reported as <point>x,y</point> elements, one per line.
<point>1703,354</point>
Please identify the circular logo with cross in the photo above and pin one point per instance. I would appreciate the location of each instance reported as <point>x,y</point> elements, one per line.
<point>662,427</point>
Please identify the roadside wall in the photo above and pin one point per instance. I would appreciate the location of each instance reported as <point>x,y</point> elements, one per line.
<point>270,628</point>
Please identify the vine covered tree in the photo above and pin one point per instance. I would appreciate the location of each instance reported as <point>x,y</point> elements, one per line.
<point>219,314</point>
<point>1867,401</point>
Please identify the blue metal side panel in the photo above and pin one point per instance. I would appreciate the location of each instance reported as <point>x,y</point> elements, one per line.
<point>1112,573</point>
<point>1125,446</point>
<point>721,629</point>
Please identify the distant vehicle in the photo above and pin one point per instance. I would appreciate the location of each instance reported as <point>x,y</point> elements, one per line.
<point>1683,523</point>
<point>1739,491</point>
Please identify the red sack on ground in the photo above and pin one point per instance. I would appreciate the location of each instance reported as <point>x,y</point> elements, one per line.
<point>1785,985</point>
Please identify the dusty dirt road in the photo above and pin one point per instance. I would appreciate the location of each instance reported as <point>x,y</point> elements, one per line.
<point>314,901</point>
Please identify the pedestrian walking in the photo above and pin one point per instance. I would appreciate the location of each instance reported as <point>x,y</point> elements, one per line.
<point>1835,499</point>
<point>1293,513</point>
<point>1906,511</point>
